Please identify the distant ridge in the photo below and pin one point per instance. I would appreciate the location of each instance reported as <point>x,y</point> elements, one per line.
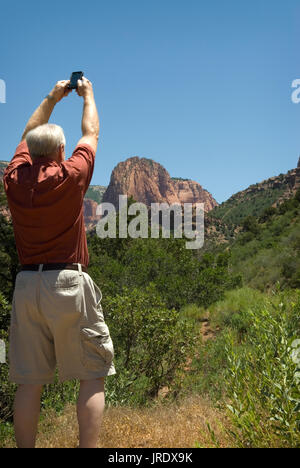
<point>256,198</point>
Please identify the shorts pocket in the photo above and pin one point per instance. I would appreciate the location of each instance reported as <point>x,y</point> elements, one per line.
<point>20,281</point>
<point>97,346</point>
<point>62,280</point>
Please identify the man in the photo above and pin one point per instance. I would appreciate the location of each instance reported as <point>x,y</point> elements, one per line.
<point>57,317</point>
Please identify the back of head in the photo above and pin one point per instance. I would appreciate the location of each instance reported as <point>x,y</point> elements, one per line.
<point>45,140</point>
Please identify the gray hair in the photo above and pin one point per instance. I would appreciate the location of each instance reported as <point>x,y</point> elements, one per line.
<point>45,140</point>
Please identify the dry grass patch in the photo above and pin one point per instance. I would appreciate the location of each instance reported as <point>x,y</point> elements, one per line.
<point>162,426</point>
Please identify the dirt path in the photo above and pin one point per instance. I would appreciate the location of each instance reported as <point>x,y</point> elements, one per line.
<point>206,333</point>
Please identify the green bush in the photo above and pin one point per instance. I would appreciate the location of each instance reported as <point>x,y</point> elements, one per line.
<point>232,311</point>
<point>194,313</point>
<point>7,389</point>
<point>151,343</point>
<point>263,378</point>
<point>180,277</point>
<point>250,224</point>
<point>267,214</point>
<point>255,374</point>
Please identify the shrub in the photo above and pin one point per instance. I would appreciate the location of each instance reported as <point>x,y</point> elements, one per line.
<point>267,214</point>
<point>250,224</point>
<point>263,379</point>
<point>7,389</point>
<point>151,343</point>
<point>232,311</point>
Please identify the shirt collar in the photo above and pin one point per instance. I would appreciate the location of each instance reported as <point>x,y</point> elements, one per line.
<point>44,159</point>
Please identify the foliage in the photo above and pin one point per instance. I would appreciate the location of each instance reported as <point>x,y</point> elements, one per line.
<point>263,380</point>
<point>269,251</point>
<point>250,224</point>
<point>232,311</point>
<point>151,343</point>
<point>267,214</point>
<point>177,273</point>
<point>6,388</point>
<point>252,202</point>
<point>252,368</point>
<point>9,261</point>
<point>95,192</point>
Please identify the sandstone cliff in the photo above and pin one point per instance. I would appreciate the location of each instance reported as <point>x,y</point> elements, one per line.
<point>149,182</point>
<point>90,217</point>
<point>189,191</point>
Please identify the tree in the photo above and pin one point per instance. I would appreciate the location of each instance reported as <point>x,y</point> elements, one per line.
<point>151,341</point>
<point>9,261</point>
<point>250,224</point>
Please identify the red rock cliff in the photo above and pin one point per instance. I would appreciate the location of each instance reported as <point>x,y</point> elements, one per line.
<point>149,182</point>
<point>90,217</point>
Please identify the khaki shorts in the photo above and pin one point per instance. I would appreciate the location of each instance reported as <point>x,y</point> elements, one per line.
<point>57,320</point>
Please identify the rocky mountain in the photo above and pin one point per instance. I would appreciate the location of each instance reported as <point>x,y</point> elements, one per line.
<point>149,182</point>
<point>292,184</point>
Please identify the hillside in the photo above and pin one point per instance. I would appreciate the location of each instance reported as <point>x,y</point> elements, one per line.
<point>256,198</point>
<point>95,193</point>
<point>267,249</point>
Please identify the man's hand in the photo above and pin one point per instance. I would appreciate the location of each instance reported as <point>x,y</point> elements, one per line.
<point>84,88</point>
<point>60,90</point>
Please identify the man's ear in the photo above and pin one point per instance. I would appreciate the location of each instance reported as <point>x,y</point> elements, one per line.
<point>61,152</point>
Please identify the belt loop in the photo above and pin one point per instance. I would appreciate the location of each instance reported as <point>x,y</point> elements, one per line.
<point>79,269</point>
<point>41,267</point>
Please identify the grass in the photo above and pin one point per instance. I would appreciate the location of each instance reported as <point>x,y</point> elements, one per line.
<point>234,307</point>
<point>189,424</point>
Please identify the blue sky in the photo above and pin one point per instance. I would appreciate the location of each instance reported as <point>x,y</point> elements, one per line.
<point>200,86</point>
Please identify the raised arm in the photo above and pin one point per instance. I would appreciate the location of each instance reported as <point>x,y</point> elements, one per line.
<point>42,114</point>
<point>90,118</point>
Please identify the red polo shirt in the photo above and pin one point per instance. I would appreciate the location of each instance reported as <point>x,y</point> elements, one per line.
<point>46,203</point>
